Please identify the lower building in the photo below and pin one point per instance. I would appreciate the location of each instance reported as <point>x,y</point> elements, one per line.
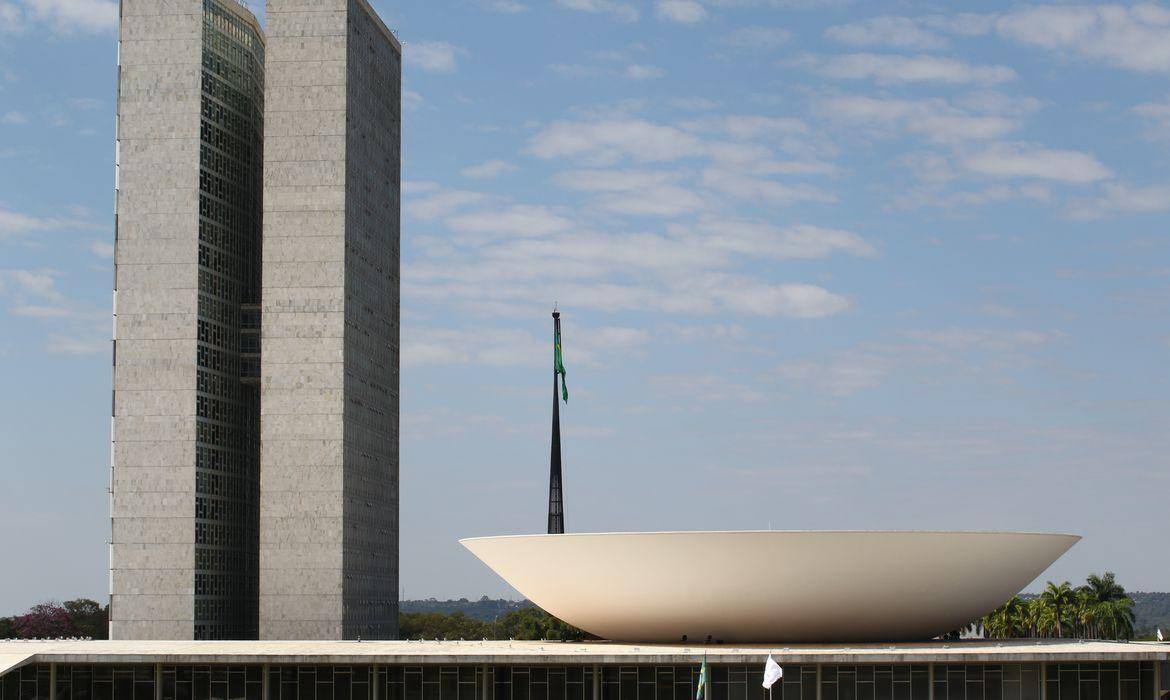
<point>967,670</point>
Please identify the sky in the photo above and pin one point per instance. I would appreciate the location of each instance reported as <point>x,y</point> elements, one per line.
<point>822,265</point>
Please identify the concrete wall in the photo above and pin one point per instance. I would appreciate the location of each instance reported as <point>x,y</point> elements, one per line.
<point>328,469</point>
<point>156,282</point>
<point>373,148</point>
<point>303,332</point>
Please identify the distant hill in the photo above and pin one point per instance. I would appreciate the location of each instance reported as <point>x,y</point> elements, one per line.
<point>1152,610</point>
<point>485,609</point>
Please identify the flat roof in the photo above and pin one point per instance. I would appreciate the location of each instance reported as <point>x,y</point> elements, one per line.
<point>18,653</point>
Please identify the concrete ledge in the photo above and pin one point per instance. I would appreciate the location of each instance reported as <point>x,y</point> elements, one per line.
<point>567,653</point>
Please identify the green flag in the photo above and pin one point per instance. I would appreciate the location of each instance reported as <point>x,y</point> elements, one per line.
<point>704,680</point>
<point>559,365</point>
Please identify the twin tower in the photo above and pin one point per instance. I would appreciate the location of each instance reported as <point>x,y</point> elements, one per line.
<point>254,460</point>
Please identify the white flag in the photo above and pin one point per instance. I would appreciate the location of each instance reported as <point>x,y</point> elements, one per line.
<point>1160,637</point>
<point>772,672</point>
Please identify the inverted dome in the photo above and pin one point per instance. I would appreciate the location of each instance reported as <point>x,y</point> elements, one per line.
<point>787,586</point>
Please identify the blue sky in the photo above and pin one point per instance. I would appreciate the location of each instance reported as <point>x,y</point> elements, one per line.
<point>823,264</point>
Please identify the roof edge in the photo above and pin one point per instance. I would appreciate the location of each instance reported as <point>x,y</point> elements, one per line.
<point>382,25</point>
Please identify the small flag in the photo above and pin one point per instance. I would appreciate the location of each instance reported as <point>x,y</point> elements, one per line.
<point>559,365</point>
<point>704,679</point>
<point>772,672</point>
<point>1160,637</point>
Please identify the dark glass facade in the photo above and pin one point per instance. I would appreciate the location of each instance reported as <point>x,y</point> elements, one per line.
<point>227,454</point>
<point>1072,681</point>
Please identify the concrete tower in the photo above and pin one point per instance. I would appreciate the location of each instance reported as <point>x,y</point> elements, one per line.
<point>329,476</point>
<point>184,553</point>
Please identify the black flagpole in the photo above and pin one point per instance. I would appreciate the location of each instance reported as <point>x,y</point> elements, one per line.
<point>556,506</point>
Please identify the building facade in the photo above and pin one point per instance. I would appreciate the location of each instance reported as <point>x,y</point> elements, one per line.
<point>184,558</point>
<point>255,494</point>
<point>329,443</point>
<point>1022,670</point>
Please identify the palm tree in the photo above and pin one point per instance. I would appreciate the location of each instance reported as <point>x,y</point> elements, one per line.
<point>1086,613</point>
<point>1057,604</point>
<point>1107,609</point>
<point>1008,620</point>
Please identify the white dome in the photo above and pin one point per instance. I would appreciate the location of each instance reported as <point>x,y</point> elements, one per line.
<point>770,586</point>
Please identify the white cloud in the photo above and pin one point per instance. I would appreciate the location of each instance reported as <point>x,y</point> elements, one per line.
<point>842,376</point>
<point>612,180</point>
<point>665,201</point>
<point>488,170</point>
<point>633,192</point>
<point>1124,199</point>
<point>696,104</point>
<point>760,240</point>
<point>936,120</point>
<point>14,117</point>
<point>793,300</point>
<point>706,388</point>
<point>984,339</point>
<point>1030,161</point>
<point>1135,37</point>
<point>753,126</point>
<point>61,344</point>
<point>780,4</point>
<point>891,31</point>
<point>443,203</point>
<point>40,311</point>
<point>14,223</point>
<point>890,69</point>
<point>964,24</point>
<point>434,56</point>
<point>517,220</point>
<point>1157,116</point>
<point>102,249</point>
<point>747,187</point>
<point>643,72</point>
<point>693,270</point>
<point>574,70</point>
<point>40,284</point>
<point>682,11</point>
<point>500,347</point>
<point>64,16</point>
<point>609,141</point>
<point>412,100</point>
<point>481,346</point>
<point>621,11</point>
<point>11,18</point>
<point>755,39</point>
<point>508,7</point>
<point>88,104</point>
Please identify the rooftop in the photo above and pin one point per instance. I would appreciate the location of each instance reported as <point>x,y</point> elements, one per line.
<point>19,653</point>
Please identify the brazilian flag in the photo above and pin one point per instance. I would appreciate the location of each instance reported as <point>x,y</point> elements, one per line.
<point>559,364</point>
<point>704,681</point>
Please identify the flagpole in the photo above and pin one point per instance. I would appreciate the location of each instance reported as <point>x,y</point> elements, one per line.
<point>556,503</point>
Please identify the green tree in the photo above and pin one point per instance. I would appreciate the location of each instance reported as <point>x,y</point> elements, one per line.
<point>7,628</point>
<point>534,623</point>
<point>436,625</point>
<point>88,618</point>
<point>1008,620</point>
<point>1106,609</point>
<point>1058,605</point>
